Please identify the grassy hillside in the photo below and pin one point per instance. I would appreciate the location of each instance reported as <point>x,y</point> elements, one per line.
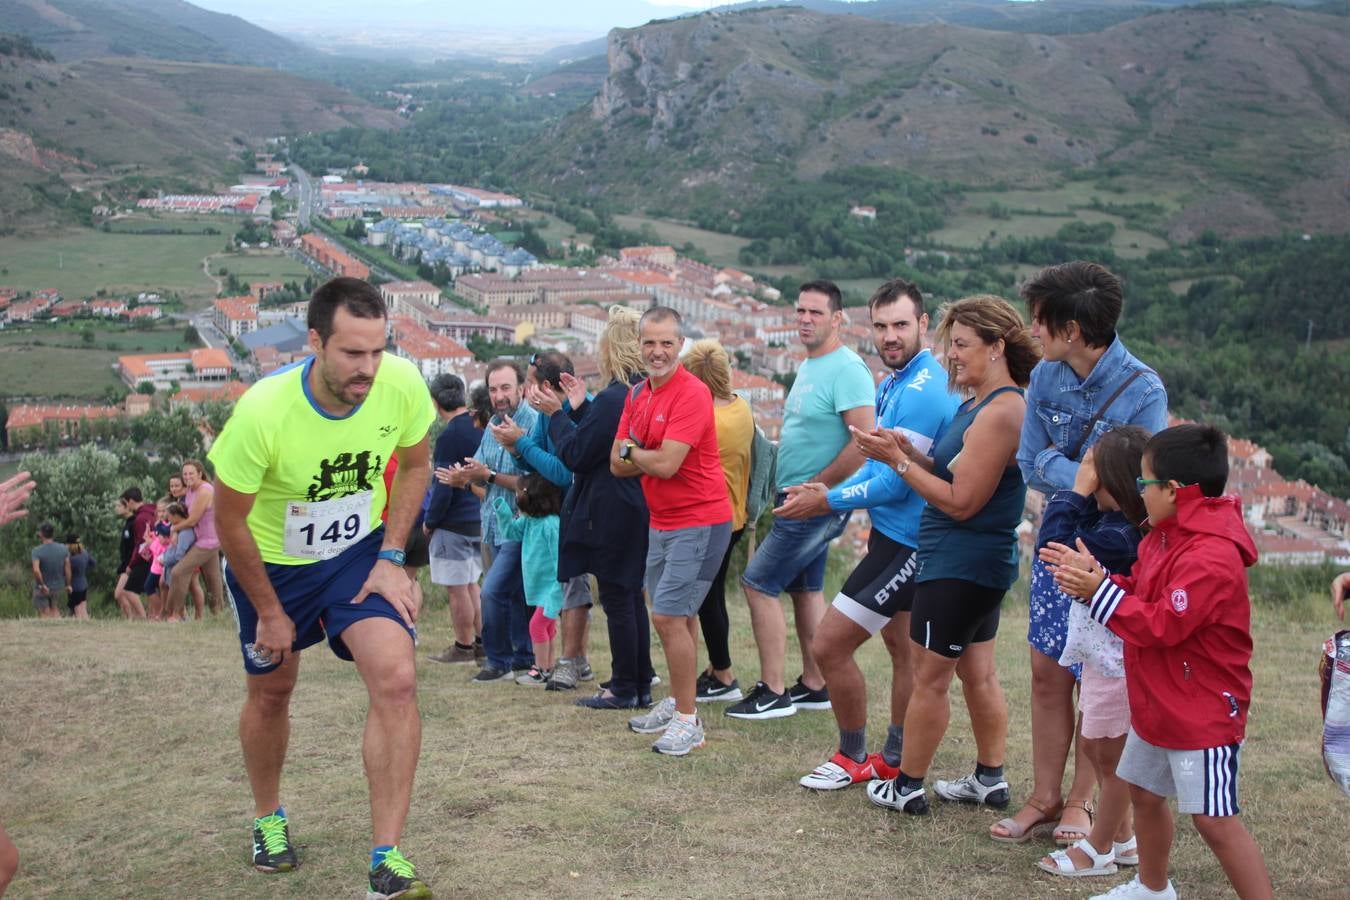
<point>163,29</point>
<point>123,776</point>
<point>127,124</point>
<point>1241,109</point>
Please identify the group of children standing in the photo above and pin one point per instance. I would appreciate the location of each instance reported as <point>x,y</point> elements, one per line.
<point>1162,630</point>
<point>163,545</point>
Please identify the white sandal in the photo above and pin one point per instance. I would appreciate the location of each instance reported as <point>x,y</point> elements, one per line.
<point>1127,852</point>
<point>1102,863</point>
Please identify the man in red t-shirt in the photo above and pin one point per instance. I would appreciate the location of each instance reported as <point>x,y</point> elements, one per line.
<point>667,437</point>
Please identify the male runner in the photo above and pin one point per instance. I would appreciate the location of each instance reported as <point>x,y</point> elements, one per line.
<point>299,495</point>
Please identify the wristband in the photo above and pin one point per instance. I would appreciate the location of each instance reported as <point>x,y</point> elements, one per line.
<point>397,557</point>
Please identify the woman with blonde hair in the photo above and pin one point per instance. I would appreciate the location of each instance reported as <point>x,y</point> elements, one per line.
<point>968,544</point>
<point>604,519</point>
<point>708,361</point>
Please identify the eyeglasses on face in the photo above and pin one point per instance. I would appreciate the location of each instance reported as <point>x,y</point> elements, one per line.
<point>1141,483</point>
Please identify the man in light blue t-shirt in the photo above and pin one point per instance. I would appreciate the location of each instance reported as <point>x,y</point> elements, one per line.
<point>833,391</point>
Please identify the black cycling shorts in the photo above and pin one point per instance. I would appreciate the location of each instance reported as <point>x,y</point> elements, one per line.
<point>951,614</point>
<point>417,549</point>
<point>881,585</point>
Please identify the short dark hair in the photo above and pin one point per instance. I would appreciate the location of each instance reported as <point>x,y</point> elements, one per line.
<point>176,509</point>
<point>828,288</point>
<point>357,297</point>
<point>132,494</point>
<point>1190,454</point>
<point>47,530</point>
<point>480,402</point>
<point>541,497</point>
<point>549,366</point>
<point>1078,291</point>
<point>892,291</point>
<point>1117,457</point>
<point>502,362</point>
<point>448,391</point>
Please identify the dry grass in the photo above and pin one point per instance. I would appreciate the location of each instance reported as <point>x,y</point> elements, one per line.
<point>122,778</point>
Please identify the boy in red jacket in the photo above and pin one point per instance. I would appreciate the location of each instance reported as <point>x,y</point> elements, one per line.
<point>1185,618</point>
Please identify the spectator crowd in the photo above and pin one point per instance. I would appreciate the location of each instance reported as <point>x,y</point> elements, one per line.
<point>548,496</point>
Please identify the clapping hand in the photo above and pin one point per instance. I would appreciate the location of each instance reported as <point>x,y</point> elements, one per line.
<point>542,399</point>
<point>882,444</point>
<point>574,388</point>
<point>1076,572</point>
<point>805,501</point>
<point>454,476</point>
<point>507,432</point>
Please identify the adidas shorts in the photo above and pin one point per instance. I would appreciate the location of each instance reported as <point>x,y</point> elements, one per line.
<point>881,585</point>
<point>1205,782</point>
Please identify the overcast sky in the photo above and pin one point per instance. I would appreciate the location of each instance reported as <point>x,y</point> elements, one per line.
<point>594,16</point>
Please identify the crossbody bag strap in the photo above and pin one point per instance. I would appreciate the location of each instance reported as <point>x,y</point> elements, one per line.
<point>1087,429</point>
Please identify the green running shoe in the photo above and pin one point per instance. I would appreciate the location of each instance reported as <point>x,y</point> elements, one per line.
<point>272,850</point>
<point>394,877</point>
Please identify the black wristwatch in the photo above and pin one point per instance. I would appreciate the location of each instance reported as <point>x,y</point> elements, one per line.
<point>626,452</point>
<point>492,477</point>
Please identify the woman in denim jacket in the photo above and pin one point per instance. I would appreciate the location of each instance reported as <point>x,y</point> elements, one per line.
<point>1074,308</point>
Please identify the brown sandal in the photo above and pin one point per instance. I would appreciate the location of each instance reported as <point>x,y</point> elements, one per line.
<point>1016,833</point>
<point>1068,835</point>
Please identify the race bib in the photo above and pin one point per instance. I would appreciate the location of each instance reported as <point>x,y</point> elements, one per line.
<point>323,530</point>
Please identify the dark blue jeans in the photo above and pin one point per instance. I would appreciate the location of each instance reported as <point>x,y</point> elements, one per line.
<point>506,616</point>
<point>630,639</point>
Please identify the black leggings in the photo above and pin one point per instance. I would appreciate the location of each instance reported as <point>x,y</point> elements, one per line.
<point>630,639</point>
<point>712,615</point>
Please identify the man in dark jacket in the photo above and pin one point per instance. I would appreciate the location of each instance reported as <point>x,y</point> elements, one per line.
<point>452,524</point>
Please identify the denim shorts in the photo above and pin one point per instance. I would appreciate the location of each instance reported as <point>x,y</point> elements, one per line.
<point>792,557</point>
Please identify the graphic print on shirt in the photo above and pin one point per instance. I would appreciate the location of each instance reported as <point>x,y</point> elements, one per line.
<point>345,474</point>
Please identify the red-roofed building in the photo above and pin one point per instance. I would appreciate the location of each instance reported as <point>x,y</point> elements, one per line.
<point>235,316</point>
<point>332,257</point>
<point>648,256</point>
<point>647,280</point>
<point>760,389</point>
<point>145,313</point>
<point>68,309</point>
<point>396,292</point>
<point>205,364</point>
<point>259,290</point>
<point>431,353</point>
<point>28,310</point>
<point>28,422</point>
<point>108,307</point>
<point>229,392</point>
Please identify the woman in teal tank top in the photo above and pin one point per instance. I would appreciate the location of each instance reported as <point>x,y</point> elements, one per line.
<point>967,549</point>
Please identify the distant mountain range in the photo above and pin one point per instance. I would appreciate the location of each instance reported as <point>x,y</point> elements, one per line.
<point>1243,110</point>
<point>162,29</point>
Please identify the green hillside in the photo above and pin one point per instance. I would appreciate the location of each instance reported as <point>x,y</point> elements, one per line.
<point>161,29</point>
<point>1243,110</point>
<point>131,124</point>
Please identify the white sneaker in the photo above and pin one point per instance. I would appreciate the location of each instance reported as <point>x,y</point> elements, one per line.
<point>885,792</point>
<point>654,720</point>
<point>1135,890</point>
<point>680,738</point>
<point>969,789</point>
<point>838,772</point>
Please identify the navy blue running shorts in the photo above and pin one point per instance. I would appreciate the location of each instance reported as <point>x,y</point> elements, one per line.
<point>317,597</point>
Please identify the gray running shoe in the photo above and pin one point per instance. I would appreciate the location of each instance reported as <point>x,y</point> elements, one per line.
<point>681,737</point>
<point>564,677</point>
<point>453,654</point>
<point>584,672</point>
<point>655,720</point>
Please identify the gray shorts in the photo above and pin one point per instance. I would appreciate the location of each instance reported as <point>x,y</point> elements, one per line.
<point>1205,782</point>
<point>455,558</point>
<point>577,593</point>
<point>681,566</point>
<point>46,601</point>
